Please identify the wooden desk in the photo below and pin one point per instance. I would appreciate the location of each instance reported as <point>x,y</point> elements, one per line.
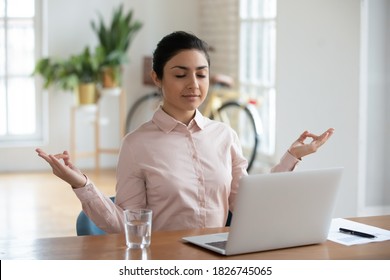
<point>169,246</point>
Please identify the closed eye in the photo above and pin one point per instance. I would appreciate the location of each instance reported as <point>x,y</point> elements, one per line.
<point>199,75</point>
<point>202,76</point>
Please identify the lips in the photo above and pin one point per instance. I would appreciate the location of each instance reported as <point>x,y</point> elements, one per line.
<point>191,95</point>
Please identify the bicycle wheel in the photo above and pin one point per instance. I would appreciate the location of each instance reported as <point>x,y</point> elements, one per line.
<point>245,121</point>
<point>142,110</point>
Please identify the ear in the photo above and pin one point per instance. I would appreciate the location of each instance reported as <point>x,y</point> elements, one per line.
<point>155,79</point>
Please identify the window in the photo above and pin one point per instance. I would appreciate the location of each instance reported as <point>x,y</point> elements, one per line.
<point>20,102</point>
<point>257,62</point>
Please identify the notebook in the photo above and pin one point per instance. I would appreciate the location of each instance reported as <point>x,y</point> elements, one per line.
<point>278,210</point>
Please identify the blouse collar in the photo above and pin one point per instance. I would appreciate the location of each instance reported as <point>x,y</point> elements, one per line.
<point>167,123</point>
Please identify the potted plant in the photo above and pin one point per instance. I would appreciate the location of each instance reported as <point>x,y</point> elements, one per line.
<point>85,68</point>
<point>114,41</point>
<point>55,73</point>
<point>79,74</point>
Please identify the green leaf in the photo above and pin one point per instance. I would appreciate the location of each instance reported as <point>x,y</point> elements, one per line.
<point>116,37</point>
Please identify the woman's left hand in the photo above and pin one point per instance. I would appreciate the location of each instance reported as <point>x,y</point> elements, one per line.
<point>300,149</point>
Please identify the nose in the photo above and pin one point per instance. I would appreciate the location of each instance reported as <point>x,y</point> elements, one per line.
<point>193,83</point>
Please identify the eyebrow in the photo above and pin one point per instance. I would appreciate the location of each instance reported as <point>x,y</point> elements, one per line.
<point>186,68</point>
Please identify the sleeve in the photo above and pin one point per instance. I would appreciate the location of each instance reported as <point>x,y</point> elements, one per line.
<point>100,209</point>
<point>239,169</point>
<point>130,187</point>
<point>287,163</point>
<point>130,192</point>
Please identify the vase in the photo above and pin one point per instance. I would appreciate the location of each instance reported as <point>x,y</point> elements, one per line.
<point>87,94</point>
<point>111,76</point>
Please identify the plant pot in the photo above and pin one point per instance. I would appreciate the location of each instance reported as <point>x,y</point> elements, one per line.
<point>111,77</point>
<point>87,94</point>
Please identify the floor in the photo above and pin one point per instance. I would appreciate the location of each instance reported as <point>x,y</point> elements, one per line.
<point>40,205</point>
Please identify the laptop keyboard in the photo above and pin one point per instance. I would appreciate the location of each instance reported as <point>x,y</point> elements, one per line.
<point>218,244</point>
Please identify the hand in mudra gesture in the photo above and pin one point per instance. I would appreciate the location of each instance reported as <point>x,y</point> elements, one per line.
<point>63,168</point>
<point>300,149</point>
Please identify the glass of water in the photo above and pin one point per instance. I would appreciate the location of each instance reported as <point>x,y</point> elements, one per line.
<point>138,228</point>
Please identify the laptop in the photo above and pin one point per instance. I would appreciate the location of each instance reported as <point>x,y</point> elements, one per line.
<point>278,210</point>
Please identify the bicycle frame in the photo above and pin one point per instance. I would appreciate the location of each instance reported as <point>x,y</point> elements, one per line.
<point>215,98</point>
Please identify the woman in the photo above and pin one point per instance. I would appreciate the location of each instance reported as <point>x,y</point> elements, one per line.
<point>183,166</point>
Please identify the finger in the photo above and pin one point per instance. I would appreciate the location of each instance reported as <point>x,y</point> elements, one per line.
<point>327,134</point>
<point>58,157</point>
<point>45,157</point>
<point>57,166</point>
<point>322,139</point>
<point>63,167</point>
<point>303,136</point>
<point>67,159</point>
<point>51,160</point>
<point>61,156</point>
<point>330,131</point>
<point>40,152</point>
<point>60,169</point>
<point>56,161</point>
<point>69,163</point>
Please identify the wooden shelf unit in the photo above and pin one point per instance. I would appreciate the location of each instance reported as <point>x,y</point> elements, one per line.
<point>96,153</point>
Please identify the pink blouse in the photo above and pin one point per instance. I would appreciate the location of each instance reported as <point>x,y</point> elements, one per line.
<point>188,175</point>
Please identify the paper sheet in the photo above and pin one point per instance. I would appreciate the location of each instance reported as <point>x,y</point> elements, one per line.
<point>346,239</point>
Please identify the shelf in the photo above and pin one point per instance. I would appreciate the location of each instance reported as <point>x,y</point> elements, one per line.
<point>97,123</point>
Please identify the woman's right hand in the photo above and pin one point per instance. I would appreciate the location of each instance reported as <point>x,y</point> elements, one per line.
<point>64,169</point>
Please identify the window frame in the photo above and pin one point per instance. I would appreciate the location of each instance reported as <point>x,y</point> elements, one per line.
<point>41,103</point>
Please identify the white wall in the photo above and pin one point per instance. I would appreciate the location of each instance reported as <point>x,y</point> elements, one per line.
<point>318,85</point>
<point>375,190</point>
<point>333,71</point>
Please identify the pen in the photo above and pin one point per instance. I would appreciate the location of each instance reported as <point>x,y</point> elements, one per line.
<point>357,233</point>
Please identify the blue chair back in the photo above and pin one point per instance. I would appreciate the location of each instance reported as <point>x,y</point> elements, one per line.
<point>85,226</point>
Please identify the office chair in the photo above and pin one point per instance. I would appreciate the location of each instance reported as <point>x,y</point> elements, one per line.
<point>229,219</point>
<point>85,226</point>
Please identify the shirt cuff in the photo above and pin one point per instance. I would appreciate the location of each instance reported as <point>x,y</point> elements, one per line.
<point>287,163</point>
<point>86,193</point>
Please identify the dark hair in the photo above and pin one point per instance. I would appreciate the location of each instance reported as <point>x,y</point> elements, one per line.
<point>172,44</point>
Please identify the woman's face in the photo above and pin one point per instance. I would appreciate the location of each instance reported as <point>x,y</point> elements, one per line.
<point>184,84</point>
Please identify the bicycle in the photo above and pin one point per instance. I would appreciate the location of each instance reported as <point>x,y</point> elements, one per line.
<point>222,104</point>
